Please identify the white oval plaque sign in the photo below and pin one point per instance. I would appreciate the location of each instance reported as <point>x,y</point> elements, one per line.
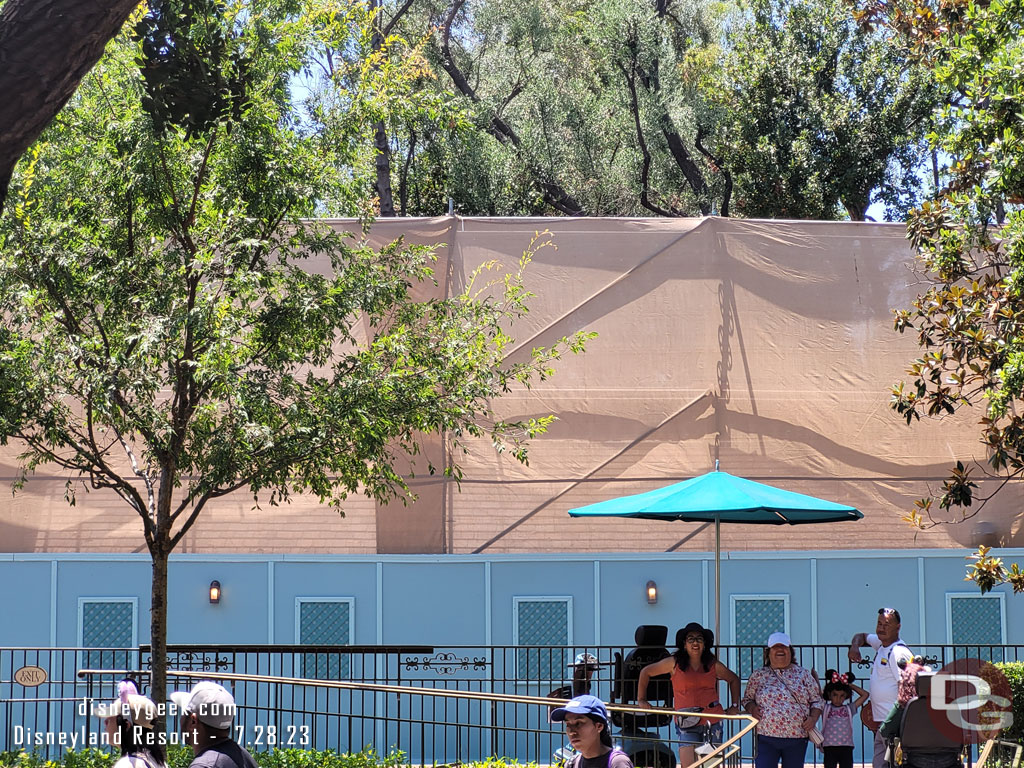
<point>30,676</point>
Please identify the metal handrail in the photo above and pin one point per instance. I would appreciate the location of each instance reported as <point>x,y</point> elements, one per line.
<point>722,752</point>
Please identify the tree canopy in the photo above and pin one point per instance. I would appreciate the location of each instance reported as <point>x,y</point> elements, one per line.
<point>969,244</point>
<point>817,115</point>
<point>659,108</point>
<point>179,328</point>
<point>570,107</point>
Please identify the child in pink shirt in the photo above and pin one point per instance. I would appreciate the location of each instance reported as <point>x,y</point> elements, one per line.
<point>837,718</point>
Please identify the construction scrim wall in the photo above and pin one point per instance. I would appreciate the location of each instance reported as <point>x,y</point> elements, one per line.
<point>765,346</point>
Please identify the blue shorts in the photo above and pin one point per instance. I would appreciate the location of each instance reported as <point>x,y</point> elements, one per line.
<point>699,734</point>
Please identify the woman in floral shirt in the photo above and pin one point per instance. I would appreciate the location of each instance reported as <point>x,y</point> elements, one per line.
<point>785,698</point>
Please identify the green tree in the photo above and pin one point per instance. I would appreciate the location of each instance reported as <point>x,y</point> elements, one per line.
<point>970,249</point>
<point>816,115</point>
<point>177,328</point>
<point>546,88</point>
<point>657,107</point>
<point>499,57</point>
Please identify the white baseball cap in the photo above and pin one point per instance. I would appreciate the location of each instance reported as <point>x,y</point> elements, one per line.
<point>779,638</point>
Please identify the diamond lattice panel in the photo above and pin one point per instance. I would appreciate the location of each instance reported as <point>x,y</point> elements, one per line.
<point>107,625</point>
<point>324,623</point>
<point>542,622</point>
<point>977,621</point>
<point>754,621</point>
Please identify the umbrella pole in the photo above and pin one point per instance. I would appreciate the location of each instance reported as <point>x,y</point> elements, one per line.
<point>718,578</point>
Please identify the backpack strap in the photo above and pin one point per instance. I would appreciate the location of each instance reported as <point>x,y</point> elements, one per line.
<point>894,670</point>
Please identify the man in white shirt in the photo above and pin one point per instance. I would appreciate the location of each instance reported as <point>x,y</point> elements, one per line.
<point>885,672</point>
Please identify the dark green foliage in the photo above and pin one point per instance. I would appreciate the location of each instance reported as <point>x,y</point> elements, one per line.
<point>1014,671</point>
<point>819,117</point>
<point>969,319</point>
<point>193,77</point>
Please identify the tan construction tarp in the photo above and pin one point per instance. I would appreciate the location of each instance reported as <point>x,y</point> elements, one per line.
<point>767,345</point>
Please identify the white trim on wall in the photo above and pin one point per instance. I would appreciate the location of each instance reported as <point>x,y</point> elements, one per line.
<point>500,557</point>
<point>379,570</point>
<point>814,600</point>
<point>53,603</point>
<point>271,601</point>
<point>488,606</point>
<point>921,601</point>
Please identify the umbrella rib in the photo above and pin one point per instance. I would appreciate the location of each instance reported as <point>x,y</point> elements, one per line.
<point>781,515</point>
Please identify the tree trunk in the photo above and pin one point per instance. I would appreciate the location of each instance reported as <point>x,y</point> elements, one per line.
<point>383,162</point>
<point>856,208</point>
<point>158,631</point>
<point>382,155</point>
<point>46,48</point>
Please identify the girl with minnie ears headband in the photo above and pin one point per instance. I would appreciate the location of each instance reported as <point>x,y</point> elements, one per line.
<point>837,718</point>
<point>128,721</point>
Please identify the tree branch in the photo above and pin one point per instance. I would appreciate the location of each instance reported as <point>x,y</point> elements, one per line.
<point>717,162</point>
<point>645,153</point>
<point>119,481</point>
<point>403,181</point>
<point>553,193</point>
<point>46,48</point>
<point>173,543</point>
<point>394,19</point>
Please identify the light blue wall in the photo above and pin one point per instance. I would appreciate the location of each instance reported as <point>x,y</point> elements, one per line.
<point>440,602</point>
<point>124,577</point>
<point>685,584</point>
<point>24,603</point>
<point>467,600</point>
<point>570,578</point>
<point>323,579</point>
<point>243,608</point>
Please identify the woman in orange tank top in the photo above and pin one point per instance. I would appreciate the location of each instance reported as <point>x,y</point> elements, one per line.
<point>695,674</point>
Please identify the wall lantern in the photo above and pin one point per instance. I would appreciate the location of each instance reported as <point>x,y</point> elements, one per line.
<point>214,591</point>
<point>652,592</point>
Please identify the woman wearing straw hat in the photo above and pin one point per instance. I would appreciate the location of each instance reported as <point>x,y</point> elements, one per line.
<point>695,674</point>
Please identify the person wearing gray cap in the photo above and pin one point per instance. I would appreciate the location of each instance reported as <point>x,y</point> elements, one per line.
<point>207,715</point>
<point>587,726</point>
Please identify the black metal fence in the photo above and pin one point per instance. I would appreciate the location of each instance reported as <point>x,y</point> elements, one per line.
<point>43,700</point>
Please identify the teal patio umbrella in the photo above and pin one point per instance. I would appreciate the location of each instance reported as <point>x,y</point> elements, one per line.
<point>722,498</point>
